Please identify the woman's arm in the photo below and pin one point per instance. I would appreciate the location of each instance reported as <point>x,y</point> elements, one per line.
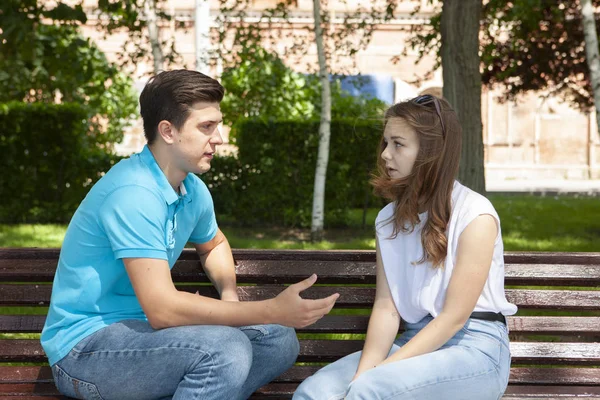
<point>383,324</point>
<point>473,262</point>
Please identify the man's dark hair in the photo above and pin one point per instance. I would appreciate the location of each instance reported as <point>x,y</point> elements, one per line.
<point>171,94</point>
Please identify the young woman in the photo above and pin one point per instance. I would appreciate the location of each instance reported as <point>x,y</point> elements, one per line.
<point>440,268</point>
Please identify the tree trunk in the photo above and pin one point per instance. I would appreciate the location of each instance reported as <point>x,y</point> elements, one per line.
<point>462,83</point>
<point>318,210</point>
<point>591,51</point>
<point>153,34</point>
<point>202,28</point>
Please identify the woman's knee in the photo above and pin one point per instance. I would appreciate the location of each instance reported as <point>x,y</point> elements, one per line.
<point>329,383</point>
<point>319,387</point>
<point>376,384</point>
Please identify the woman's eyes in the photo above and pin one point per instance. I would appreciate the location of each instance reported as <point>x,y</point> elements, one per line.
<point>396,144</point>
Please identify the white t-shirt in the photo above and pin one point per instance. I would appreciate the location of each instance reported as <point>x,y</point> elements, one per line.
<point>420,289</point>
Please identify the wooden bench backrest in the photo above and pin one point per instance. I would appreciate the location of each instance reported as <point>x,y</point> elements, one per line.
<point>539,283</point>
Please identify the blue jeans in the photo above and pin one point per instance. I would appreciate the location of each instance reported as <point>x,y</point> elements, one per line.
<point>129,360</point>
<point>474,364</point>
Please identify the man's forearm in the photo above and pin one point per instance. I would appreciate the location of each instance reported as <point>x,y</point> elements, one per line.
<point>219,266</point>
<point>165,306</point>
<point>183,308</point>
<point>171,307</point>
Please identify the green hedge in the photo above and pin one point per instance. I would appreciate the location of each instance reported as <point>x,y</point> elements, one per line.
<point>50,158</point>
<point>271,181</point>
<point>225,179</point>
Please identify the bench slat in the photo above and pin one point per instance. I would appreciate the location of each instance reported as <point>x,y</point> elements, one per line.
<point>555,325</point>
<point>42,397</point>
<point>25,270</point>
<point>34,295</point>
<point>25,350</point>
<point>25,295</point>
<point>20,389</point>
<point>552,274</point>
<point>21,350</point>
<point>33,253</point>
<point>22,323</point>
<point>555,353</point>
<point>580,326</point>
<point>279,391</point>
<point>555,299</point>
<point>25,374</point>
<point>39,295</point>
<point>335,255</point>
<point>290,271</point>
<point>529,392</point>
<point>247,271</point>
<point>554,376</point>
<point>558,376</point>
<point>580,269</point>
<point>515,392</point>
<point>522,353</point>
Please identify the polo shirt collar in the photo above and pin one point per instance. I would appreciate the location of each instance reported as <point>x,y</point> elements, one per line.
<point>183,190</point>
<point>159,176</point>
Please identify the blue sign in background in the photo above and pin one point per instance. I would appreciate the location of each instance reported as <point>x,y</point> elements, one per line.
<point>373,86</point>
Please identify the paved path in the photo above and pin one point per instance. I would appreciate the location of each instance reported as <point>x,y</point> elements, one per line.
<point>584,187</point>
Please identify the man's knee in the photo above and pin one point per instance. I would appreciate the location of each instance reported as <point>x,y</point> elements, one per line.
<point>236,350</point>
<point>229,359</point>
<point>284,341</point>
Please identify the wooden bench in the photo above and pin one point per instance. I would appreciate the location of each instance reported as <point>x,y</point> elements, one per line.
<point>554,356</point>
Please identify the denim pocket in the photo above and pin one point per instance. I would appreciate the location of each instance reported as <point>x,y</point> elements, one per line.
<point>72,387</point>
<point>484,338</point>
<point>82,344</point>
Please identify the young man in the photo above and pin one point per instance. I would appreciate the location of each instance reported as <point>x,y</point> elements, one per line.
<point>117,327</point>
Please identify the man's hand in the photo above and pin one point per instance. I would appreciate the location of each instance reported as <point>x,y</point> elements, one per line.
<point>289,309</point>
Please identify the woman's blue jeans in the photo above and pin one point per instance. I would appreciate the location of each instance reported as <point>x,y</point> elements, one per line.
<point>129,360</point>
<point>474,364</point>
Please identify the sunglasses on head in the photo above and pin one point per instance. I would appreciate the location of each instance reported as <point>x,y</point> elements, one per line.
<point>426,100</point>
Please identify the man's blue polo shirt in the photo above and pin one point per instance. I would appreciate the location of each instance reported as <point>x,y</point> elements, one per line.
<point>130,212</point>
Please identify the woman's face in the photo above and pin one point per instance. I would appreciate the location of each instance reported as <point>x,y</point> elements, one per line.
<point>400,148</point>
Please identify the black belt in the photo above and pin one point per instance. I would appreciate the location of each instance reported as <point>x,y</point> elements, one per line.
<point>488,316</point>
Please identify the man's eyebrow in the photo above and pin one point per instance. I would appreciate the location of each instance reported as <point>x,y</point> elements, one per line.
<point>212,121</point>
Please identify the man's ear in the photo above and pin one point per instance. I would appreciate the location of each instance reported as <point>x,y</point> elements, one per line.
<point>166,131</point>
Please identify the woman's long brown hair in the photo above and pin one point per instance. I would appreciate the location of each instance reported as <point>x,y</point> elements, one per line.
<point>429,186</point>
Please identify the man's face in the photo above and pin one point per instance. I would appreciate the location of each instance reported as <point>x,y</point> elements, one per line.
<point>196,142</point>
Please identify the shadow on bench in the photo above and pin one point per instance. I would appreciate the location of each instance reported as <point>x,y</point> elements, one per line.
<point>555,354</point>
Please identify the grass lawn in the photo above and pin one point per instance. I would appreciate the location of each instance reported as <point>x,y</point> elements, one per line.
<point>562,223</point>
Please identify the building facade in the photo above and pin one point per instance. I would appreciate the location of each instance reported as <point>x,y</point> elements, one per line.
<point>533,138</point>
